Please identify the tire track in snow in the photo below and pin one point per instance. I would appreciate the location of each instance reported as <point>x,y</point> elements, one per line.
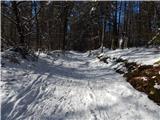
<point>9,105</point>
<point>60,102</point>
<point>27,96</point>
<point>93,98</point>
<point>94,110</point>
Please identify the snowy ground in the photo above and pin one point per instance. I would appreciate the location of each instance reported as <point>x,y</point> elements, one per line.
<point>140,55</point>
<point>72,87</point>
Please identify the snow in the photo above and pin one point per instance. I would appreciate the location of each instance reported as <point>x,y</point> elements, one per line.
<point>73,87</point>
<point>92,9</point>
<point>140,55</point>
<point>144,79</point>
<point>153,77</point>
<point>120,42</point>
<point>157,86</point>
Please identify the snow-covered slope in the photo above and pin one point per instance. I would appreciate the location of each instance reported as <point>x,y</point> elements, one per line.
<point>71,87</point>
<point>140,55</point>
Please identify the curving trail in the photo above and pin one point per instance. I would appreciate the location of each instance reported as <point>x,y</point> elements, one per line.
<point>75,87</point>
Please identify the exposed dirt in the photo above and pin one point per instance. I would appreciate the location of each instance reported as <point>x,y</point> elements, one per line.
<point>144,78</point>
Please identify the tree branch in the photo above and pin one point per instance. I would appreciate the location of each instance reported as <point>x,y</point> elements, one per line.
<point>31,18</point>
<point>9,18</point>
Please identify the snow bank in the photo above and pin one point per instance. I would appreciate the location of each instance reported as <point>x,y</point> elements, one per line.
<point>145,56</point>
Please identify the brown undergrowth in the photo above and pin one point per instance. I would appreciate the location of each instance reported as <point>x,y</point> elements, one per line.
<point>145,78</point>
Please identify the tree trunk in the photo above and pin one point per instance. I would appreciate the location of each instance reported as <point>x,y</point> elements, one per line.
<point>115,42</point>
<point>103,34</point>
<point>37,26</point>
<point>64,32</point>
<point>19,24</point>
<point>119,18</point>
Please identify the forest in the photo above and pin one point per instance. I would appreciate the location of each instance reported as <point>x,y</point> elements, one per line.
<point>80,60</point>
<point>81,25</point>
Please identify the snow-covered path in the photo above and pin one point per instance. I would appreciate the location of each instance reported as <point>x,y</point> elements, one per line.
<point>75,87</point>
